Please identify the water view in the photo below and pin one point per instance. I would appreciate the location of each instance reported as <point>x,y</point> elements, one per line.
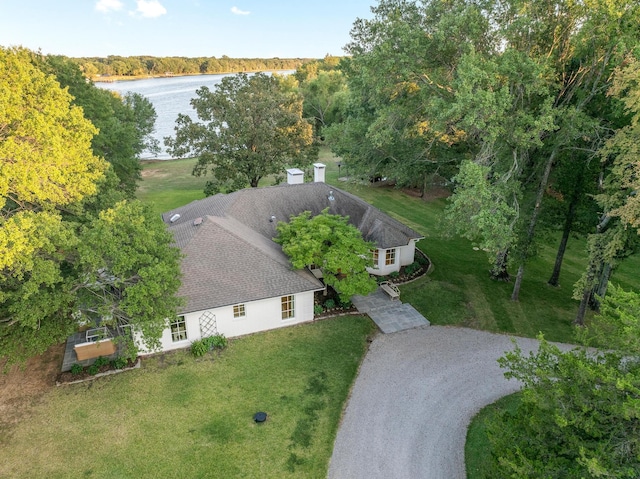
<point>170,96</point>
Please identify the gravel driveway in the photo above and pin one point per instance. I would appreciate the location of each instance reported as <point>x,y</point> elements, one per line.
<point>412,402</point>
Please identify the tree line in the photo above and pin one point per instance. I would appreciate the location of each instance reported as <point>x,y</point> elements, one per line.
<point>154,66</point>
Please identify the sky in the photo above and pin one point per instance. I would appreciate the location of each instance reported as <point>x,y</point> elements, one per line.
<point>189,28</point>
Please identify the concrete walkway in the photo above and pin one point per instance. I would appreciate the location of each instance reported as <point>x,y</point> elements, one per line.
<point>390,315</point>
<point>412,402</point>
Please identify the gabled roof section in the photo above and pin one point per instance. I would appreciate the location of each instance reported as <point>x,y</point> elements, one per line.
<point>226,263</point>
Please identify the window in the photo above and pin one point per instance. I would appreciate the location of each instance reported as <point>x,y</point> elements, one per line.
<point>238,311</point>
<point>287,307</point>
<point>375,254</point>
<point>390,257</point>
<point>179,330</point>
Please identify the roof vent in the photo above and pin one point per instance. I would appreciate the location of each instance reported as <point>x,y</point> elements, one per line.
<point>174,218</point>
<point>197,221</point>
<point>331,197</point>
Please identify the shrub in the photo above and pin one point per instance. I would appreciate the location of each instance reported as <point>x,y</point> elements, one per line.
<point>219,341</point>
<point>93,369</point>
<point>421,260</point>
<point>346,304</point>
<point>412,268</point>
<point>76,369</point>
<point>119,363</point>
<point>199,347</point>
<point>329,304</point>
<point>101,361</point>
<point>394,274</point>
<point>317,309</point>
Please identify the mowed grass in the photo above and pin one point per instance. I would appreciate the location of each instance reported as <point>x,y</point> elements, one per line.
<point>167,184</point>
<point>477,447</point>
<point>181,417</point>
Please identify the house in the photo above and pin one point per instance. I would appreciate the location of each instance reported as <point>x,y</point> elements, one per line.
<point>236,280</point>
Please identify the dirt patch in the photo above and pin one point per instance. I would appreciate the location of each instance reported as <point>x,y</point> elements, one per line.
<point>23,386</point>
<point>154,173</point>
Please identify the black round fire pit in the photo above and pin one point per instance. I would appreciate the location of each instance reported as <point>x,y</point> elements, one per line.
<point>260,417</point>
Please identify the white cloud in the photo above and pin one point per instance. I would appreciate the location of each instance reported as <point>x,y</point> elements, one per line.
<point>106,6</point>
<point>237,11</point>
<point>150,8</point>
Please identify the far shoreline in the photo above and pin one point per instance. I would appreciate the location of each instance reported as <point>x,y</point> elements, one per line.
<point>124,78</point>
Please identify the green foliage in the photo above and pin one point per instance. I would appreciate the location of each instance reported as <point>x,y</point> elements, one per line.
<point>482,209</point>
<point>580,410</point>
<point>330,242</point>
<point>131,270</point>
<point>317,309</point>
<point>216,341</point>
<point>125,125</point>
<point>412,268</point>
<point>93,369</point>
<point>76,369</point>
<point>199,347</point>
<point>68,248</point>
<point>394,274</point>
<point>119,362</point>
<point>145,65</point>
<point>329,304</point>
<point>252,126</point>
<point>101,361</point>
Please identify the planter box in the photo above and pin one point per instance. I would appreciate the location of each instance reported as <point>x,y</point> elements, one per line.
<point>94,349</point>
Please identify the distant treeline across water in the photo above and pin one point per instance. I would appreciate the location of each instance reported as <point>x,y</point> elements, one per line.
<point>166,66</point>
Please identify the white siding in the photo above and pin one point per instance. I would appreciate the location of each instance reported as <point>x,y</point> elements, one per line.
<point>260,316</point>
<point>407,253</point>
<point>404,256</point>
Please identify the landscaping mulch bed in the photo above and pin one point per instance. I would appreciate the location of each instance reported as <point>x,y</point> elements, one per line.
<point>68,377</point>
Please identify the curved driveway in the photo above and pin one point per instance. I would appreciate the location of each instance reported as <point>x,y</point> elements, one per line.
<point>412,402</point>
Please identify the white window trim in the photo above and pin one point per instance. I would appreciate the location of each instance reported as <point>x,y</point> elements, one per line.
<point>181,319</point>
<point>387,253</point>
<point>292,310</point>
<point>241,308</point>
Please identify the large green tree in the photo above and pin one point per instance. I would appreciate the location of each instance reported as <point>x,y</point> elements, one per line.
<point>251,126</point>
<point>511,85</point>
<point>125,124</point>
<point>60,256</point>
<point>332,244</point>
<point>579,414</point>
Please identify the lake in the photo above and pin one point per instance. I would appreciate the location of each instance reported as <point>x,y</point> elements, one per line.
<point>170,96</point>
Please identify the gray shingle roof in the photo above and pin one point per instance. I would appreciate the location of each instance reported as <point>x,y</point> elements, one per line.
<point>230,257</point>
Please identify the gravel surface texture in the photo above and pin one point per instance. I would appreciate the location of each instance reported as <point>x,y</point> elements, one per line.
<point>413,400</point>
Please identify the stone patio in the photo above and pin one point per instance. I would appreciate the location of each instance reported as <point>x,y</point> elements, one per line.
<point>389,315</point>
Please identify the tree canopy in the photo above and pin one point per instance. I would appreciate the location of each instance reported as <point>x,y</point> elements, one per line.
<point>516,87</point>
<point>332,244</point>
<point>252,126</point>
<point>125,125</point>
<point>68,250</point>
<point>580,410</point>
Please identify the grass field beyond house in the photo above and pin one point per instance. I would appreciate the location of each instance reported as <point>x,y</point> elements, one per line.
<point>185,418</point>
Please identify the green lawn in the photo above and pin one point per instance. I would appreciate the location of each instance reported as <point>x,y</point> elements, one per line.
<point>168,184</point>
<point>181,417</point>
<point>476,450</point>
